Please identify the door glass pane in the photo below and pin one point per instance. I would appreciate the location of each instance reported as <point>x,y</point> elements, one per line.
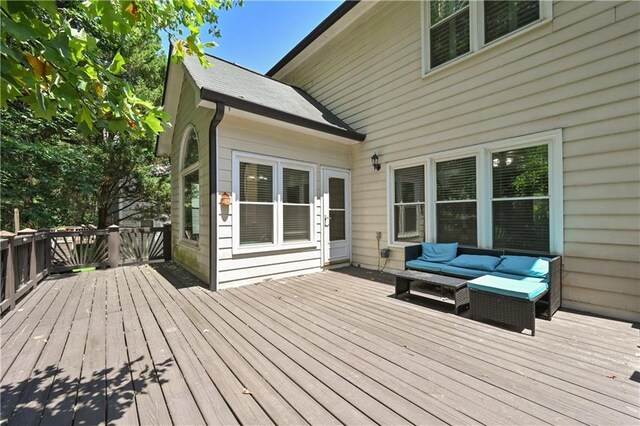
<point>256,183</point>
<point>337,228</point>
<point>296,223</point>
<point>256,223</point>
<point>336,193</point>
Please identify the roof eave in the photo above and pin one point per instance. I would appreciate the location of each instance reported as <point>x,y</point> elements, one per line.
<point>248,106</point>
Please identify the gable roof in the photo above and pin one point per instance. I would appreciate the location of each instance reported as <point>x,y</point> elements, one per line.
<point>247,90</point>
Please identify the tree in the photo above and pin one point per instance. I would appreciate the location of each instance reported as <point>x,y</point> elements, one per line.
<point>58,176</point>
<point>53,62</point>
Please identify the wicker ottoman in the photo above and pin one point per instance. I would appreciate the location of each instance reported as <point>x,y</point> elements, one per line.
<point>490,299</point>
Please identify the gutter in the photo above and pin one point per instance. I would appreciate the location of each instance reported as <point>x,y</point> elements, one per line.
<point>213,196</point>
<point>248,106</point>
<point>313,35</point>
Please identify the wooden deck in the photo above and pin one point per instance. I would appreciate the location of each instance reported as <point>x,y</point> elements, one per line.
<point>138,345</point>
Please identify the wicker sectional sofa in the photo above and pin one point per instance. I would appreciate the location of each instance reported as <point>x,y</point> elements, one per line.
<point>545,307</point>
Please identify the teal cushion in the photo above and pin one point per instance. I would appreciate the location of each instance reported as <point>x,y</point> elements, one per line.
<point>421,265</point>
<point>475,261</point>
<point>507,287</point>
<point>518,277</point>
<point>462,272</point>
<point>524,265</point>
<point>439,252</point>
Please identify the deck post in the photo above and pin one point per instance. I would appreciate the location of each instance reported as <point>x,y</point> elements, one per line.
<point>10,277</point>
<point>33,265</point>
<point>114,246</point>
<point>166,242</point>
<point>47,250</point>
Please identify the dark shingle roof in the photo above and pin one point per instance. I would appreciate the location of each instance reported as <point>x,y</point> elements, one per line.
<point>250,91</point>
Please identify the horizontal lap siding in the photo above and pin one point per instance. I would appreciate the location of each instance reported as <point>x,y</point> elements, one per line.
<point>245,136</point>
<point>579,73</point>
<point>193,258</point>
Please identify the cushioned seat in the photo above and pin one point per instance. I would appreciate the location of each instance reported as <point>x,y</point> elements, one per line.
<point>518,277</point>
<point>422,265</point>
<point>462,272</point>
<point>508,287</point>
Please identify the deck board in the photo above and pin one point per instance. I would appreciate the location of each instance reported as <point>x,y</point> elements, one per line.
<point>148,345</point>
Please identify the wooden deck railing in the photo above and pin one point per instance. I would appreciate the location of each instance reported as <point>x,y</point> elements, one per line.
<point>29,256</point>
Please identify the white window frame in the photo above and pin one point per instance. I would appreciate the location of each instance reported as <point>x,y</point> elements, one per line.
<point>392,199</point>
<point>183,173</point>
<point>434,190</point>
<point>278,165</point>
<point>476,32</point>
<point>484,185</point>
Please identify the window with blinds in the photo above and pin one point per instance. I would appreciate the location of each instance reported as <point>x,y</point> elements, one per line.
<point>456,210</point>
<point>448,31</point>
<point>504,17</point>
<point>296,205</point>
<point>454,28</point>
<point>257,203</point>
<point>409,204</point>
<point>275,203</point>
<point>520,202</point>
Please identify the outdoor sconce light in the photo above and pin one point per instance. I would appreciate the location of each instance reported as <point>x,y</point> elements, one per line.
<point>225,200</point>
<point>374,162</point>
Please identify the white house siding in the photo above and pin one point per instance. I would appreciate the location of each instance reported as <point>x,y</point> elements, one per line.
<point>194,257</point>
<point>578,73</point>
<point>257,138</point>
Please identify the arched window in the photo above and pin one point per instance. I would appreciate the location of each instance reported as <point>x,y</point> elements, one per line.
<point>190,180</point>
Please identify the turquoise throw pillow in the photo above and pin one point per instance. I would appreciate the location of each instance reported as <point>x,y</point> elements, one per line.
<point>475,261</point>
<point>524,265</point>
<point>439,252</point>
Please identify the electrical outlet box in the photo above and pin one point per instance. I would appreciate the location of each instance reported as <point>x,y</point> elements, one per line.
<point>385,253</point>
<point>378,235</point>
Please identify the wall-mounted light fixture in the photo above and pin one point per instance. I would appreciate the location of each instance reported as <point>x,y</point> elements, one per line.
<point>375,162</point>
<point>225,200</point>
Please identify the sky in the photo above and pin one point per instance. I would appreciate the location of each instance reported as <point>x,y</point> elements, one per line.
<point>261,32</point>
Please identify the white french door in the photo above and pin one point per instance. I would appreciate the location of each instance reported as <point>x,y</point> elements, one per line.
<point>336,216</point>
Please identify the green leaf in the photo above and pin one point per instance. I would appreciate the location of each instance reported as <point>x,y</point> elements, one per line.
<point>154,123</point>
<point>117,63</point>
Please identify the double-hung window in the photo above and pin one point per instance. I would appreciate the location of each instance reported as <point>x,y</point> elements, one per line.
<point>520,201</point>
<point>409,202</point>
<point>274,204</point>
<point>453,28</point>
<point>456,211</point>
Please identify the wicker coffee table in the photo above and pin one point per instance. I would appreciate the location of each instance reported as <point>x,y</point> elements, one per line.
<point>457,286</point>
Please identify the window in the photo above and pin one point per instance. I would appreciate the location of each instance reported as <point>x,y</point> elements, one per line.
<point>257,203</point>
<point>520,201</point>
<point>409,204</point>
<point>190,180</point>
<point>453,28</point>
<point>505,195</point>
<point>449,30</point>
<point>456,216</point>
<point>275,203</point>
<point>504,17</point>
